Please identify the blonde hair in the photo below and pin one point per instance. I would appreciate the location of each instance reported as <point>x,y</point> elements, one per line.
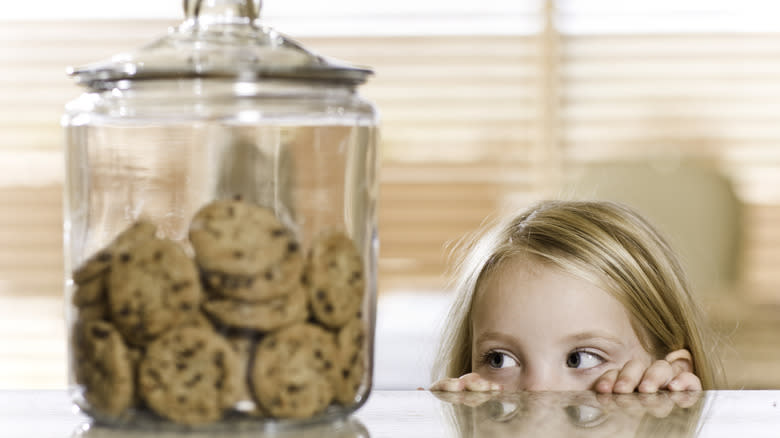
<point>607,244</point>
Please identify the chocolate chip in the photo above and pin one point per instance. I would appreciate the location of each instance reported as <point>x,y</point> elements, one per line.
<point>329,308</point>
<point>185,306</point>
<point>194,381</point>
<point>181,366</point>
<point>320,294</point>
<point>181,399</point>
<point>124,257</point>
<point>100,333</point>
<point>104,257</point>
<point>292,389</point>
<point>125,310</point>
<point>181,285</point>
<point>327,365</point>
<point>278,232</point>
<point>215,279</point>
<point>157,256</point>
<point>345,373</point>
<point>238,254</point>
<point>269,275</point>
<point>292,247</point>
<point>188,353</point>
<point>318,354</point>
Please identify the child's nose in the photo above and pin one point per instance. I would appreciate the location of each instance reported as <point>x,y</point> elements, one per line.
<point>539,380</point>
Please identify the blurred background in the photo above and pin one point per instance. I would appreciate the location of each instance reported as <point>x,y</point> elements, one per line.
<point>672,106</point>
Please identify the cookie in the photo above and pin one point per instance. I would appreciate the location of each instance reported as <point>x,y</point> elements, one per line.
<point>153,286</point>
<point>95,266</point>
<point>261,316</point>
<point>293,372</point>
<point>103,367</point>
<point>189,375</point>
<point>91,300</point>
<point>244,251</point>
<point>100,263</point>
<point>335,278</point>
<point>351,341</point>
<point>90,292</point>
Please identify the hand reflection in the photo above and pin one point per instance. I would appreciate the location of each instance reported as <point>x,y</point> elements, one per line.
<point>579,414</point>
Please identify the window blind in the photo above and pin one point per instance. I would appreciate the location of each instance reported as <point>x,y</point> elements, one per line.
<point>476,119</point>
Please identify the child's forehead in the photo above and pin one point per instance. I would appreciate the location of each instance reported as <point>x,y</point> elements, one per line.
<point>526,293</point>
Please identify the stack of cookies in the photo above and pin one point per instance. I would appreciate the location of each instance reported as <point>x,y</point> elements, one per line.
<point>251,325</point>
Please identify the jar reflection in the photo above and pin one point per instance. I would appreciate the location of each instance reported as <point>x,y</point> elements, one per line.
<point>574,414</point>
<point>349,428</point>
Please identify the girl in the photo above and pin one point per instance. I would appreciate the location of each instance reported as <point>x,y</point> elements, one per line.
<point>574,295</point>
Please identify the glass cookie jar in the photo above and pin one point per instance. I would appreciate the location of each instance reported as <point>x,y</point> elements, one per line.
<point>220,229</point>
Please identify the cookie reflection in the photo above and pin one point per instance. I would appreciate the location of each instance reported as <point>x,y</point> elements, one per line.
<point>574,414</point>
<point>349,428</point>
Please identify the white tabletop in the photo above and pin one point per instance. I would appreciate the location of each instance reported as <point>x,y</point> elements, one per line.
<point>44,414</point>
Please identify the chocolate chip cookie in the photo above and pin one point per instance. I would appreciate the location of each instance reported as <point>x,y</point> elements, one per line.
<point>334,274</point>
<point>351,342</point>
<point>261,316</point>
<point>100,262</point>
<point>244,251</point>
<point>153,286</point>
<point>190,375</point>
<point>293,372</point>
<point>102,366</point>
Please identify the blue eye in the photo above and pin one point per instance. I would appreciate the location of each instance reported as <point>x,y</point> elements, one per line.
<point>583,360</point>
<point>495,359</point>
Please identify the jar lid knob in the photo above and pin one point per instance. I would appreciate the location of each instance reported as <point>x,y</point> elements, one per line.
<point>207,11</point>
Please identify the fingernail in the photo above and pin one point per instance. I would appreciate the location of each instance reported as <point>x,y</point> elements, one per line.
<point>495,387</point>
<point>674,385</point>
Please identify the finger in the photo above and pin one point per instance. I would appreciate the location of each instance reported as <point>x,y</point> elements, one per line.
<point>450,384</point>
<point>629,377</point>
<point>681,361</point>
<point>606,382</point>
<point>657,376</point>
<point>684,382</point>
<point>475,382</point>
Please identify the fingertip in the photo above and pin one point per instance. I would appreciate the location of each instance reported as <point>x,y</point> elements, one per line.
<point>603,386</point>
<point>622,388</point>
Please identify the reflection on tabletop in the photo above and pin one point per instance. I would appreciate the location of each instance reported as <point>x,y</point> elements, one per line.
<point>573,414</point>
<point>349,428</point>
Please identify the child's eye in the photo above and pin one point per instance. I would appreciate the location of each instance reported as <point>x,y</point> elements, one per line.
<point>583,359</point>
<point>496,359</point>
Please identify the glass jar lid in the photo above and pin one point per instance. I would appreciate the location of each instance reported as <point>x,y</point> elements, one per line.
<point>220,38</point>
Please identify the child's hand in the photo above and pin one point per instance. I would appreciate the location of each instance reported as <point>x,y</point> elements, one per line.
<point>467,382</point>
<point>673,373</point>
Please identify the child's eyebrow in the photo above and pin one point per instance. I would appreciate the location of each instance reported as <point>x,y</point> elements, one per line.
<point>592,335</point>
<point>494,335</point>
